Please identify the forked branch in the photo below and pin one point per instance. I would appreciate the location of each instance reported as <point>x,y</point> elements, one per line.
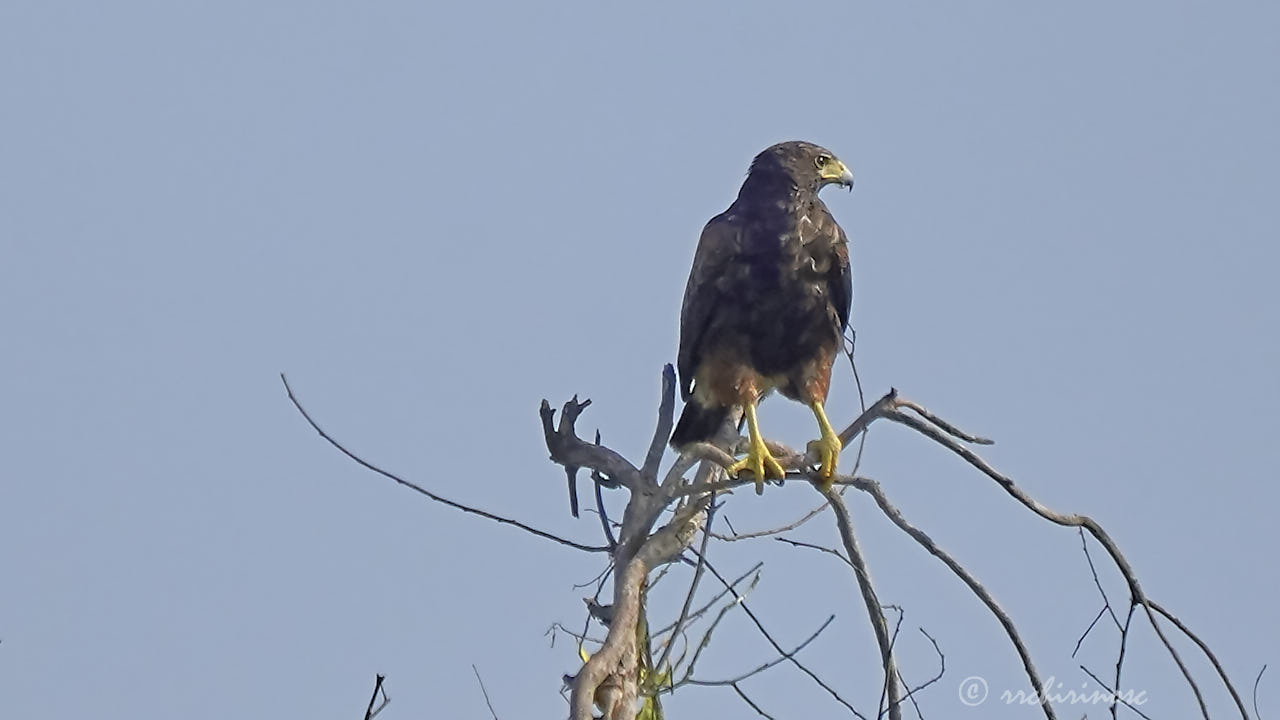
<point>621,674</point>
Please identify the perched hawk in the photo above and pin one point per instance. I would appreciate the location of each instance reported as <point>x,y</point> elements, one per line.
<point>767,304</point>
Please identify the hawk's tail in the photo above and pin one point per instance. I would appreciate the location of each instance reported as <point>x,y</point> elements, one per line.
<point>698,423</point>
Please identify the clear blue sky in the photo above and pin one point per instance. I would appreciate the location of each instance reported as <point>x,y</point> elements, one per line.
<point>434,215</point>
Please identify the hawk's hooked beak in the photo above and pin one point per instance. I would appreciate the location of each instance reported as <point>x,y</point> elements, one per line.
<point>836,172</point>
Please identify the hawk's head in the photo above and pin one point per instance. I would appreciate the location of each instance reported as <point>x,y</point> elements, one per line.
<point>804,165</point>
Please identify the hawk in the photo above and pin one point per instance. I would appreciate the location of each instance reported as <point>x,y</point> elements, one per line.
<point>766,305</point>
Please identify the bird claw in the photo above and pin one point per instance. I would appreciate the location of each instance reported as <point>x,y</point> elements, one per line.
<point>827,448</point>
<point>761,464</point>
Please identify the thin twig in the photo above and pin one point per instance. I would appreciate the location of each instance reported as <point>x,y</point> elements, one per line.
<point>765,666</point>
<point>371,712</point>
<point>1257,680</point>
<point>819,548</point>
<point>693,585</point>
<point>705,642</point>
<point>750,702</point>
<point>942,670</point>
<point>947,427</point>
<point>1136,593</point>
<point>1115,694</point>
<point>1124,639</point>
<point>880,408</point>
<point>611,664</point>
<point>1213,659</point>
<point>776,530</point>
<point>1177,660</point>
<point>716,598</point>
<point>862,401</point>
<point>560,627</point>
<point>1084,545</point>
<point>1089,629</point>
<point>427,493</point>
<point>760,626</point>
<point>586,624</point>
<point>480,680</point>
<point>893,642</point>
<point>605,523</point>
<point>922,538</point>
<point>595,580</point>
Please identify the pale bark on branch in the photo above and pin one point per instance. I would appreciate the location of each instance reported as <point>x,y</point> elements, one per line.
<point>913,415</point>
<point>621,675</point>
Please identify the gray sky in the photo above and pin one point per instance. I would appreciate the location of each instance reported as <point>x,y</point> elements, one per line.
<point>434,215</point>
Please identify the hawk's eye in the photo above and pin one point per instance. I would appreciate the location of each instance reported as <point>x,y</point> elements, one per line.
<point>821,160</point>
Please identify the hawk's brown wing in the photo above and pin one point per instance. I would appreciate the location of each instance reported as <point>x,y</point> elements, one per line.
<point>840,278</point>
<point>718,248</point>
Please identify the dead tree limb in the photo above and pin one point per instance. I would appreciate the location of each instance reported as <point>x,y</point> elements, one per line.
<point>427,493</point>
<point>620,673</point>
<point>372,712</point>
<point>854,553</point>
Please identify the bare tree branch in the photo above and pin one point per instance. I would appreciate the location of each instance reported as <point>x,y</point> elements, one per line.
<point>1089,629</point>
<point>760,626</point>
<point>571,473</point>
<point>1120,655</point>
<point>569,450</point>
<point>897,672</point>
<point>371,712</point>
<point>716,598</point>
<point>750,702</point>
<point>611,679</point>
<point>1115,695</point>
<point>819,548</point>
<point>1137,596</point>
<point>693,585</point>
<point>1217,665</point>
<point>705,642</point>
<point>605,524</point>
<point>615,665</point>
<point>661,433</point>
<point>878,410</point>
<point>580,637</point>
<point>485,692</point>
<point>1257,680</point>
<point>845,524</point>
<point>945,426</point>
<point>764,666</point>
<point>427,493</point>
<point>873,488</point>
<point>862,399</point>
<point>942,670</point>
<point>1084,545</point>
<point>776,530</point>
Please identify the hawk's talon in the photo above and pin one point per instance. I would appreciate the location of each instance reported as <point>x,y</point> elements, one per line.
<point>827,448</point>
<point>761,464</point>
<point>758,460</point>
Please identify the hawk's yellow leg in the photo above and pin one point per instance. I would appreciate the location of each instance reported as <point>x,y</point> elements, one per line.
<point>758,460</point>
<point>827,446</point>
